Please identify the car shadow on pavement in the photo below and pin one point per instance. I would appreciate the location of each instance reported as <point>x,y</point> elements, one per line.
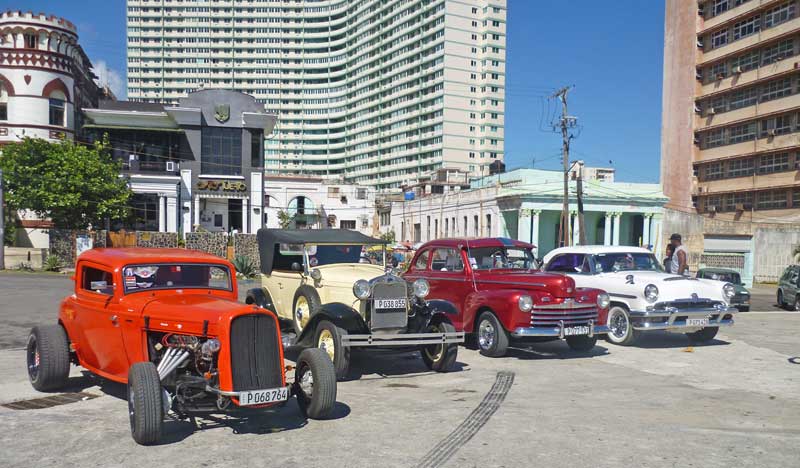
<point>552,350</point>
<point>661,340</point>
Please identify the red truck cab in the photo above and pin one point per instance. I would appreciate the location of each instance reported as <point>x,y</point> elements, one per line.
<point>502,298</point>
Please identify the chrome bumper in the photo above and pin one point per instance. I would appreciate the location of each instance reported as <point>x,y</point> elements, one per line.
<point>557,331</point>
<point>667,319</point>
<point>407,339</point>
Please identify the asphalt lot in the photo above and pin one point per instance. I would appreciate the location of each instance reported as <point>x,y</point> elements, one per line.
<point>734,402</point>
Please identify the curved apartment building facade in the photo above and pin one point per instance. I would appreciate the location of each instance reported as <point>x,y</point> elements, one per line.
<point>374,92</point>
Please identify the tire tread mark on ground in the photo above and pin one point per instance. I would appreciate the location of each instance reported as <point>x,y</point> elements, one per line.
<point>445,449</point>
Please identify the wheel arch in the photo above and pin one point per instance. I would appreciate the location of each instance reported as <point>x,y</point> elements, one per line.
<point>261,298</point>
<point>478,312</point>
<point>341,315</point>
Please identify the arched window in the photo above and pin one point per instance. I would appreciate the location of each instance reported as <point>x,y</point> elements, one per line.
<point>58,105</point>
<point>3,102</point>
<point>31,40</point>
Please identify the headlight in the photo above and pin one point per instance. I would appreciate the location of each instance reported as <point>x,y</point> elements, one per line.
<point>525,303</point>
<point>316,275</point>
<point>728,290</point>
<point>421,288</point>
<point>651,293</point>
<point>361,289</point>
<point>603,300</point>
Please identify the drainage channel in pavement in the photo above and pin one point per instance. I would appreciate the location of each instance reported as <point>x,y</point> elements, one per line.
<point>49,401</point>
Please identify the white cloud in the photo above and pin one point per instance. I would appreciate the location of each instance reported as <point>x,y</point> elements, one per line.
<point>107,76</point>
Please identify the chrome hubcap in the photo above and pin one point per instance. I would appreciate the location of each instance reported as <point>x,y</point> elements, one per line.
<point>619,324</point>
<point>34,358</point>
<point>307,382</point>
<point>301,312</point>
<point>326,343</point>
<point>486,333</point>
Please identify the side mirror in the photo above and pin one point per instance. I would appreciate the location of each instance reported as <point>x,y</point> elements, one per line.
<point>98,285</point>
<point>296,267</point>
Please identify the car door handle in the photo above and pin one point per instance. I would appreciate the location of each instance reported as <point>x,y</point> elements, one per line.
<point>114,319</point>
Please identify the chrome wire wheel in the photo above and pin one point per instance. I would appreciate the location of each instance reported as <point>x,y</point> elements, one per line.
<point>486,335</point>
<point>34,358</point>
<point>302,312</point>
<point>327,343</point>
<point>618,322</point>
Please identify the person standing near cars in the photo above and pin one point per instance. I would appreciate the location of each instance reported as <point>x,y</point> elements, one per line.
<point>670,250</point>
<point>680,256</point>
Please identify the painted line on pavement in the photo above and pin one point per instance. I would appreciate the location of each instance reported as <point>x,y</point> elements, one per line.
<point>445,449</point>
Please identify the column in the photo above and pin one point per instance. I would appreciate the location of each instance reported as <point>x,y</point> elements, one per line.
<point>196,211</point>
<point>186,200</point>
<point>617,217</point>
<point>172,214</point>
<point>607,230</point>
<point>524,225</point>
<point>245,211</point>
<point>646,229</point>
<point>535,229</point>
<point>162,213</point>
<point>256,201</point>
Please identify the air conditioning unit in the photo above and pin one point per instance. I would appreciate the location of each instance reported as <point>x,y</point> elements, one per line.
<point>171,166</point>
<point>697,109</point>
<point>696,140</point>
<point>711,209</point>
<point>720,76</point>
<point>740,207</point>
<point>771,132</point>
<point>737,70</point>
<point>701,11</point>
<point>698,76</point>
<point>699,44</point>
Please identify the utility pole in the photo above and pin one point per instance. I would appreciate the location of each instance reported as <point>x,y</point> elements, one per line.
<point>566,123</point>
<point>2,227</point>
<point>581,225</point>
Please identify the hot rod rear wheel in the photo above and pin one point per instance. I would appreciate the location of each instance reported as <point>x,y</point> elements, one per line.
<point>442,357</point>
<point>145,403</point>
<point>581,343</point>
<point>622,332</point>
<point>306,303</point>
<point>703,335</point>
<point>329,339</point>
<point>48,357</point>
<point>315,380</point>
<point>492,338</point>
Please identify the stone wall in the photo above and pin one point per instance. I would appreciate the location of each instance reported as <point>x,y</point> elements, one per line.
<point>215,243</point>
<point>156,239</point>
<point>246,245</point>
<point>62,243</point>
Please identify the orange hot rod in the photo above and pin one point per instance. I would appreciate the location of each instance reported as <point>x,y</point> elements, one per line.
<point>167,323</point>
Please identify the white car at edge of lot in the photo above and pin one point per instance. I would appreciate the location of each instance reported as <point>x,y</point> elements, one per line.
<point>643,296</point>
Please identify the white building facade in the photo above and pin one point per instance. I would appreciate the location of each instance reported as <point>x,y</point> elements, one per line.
<point>314,202</point>
<point>373,92</point>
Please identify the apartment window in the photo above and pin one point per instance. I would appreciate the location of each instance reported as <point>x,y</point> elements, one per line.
<point>471,154</point>
<point>744,132</point>
<point>447,227</point>
<point>796,198</point>
<point>713,171</point>
<point>476,227</point>
<point>715,138</point>
<point>780,125</point>
<point>30,40</point>
<point>777,52</point>
<point>465,231</point>
<point>712,203</point>
<point>746,28</point>
<point>743,98</point>
<point>772,200</point>
<point>361,194</point>
<point>777,89</point>
<point>737,201</point>
<point>772,163</point>
<point>488,225</point>
<point>221,151</point>
<point>347,224</point>
<point>779,14</point>
<point>256,149</point>
<point>745,62</point>
<point>57,109</point>
<point>3,102</point>
<point>741,167</point>
<point>719,38</point>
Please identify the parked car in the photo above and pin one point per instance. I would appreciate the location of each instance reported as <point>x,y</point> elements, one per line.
<point>167,323</point>
<point>502,299</point>
<point>789,288</point>
<point>643,296</point>
<point>314,281</point>
<point>741,298</point>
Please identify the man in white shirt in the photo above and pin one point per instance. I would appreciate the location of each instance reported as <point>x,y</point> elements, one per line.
<point>680,256</point>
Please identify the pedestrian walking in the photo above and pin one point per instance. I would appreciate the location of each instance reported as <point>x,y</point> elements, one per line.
<point>680,256</point>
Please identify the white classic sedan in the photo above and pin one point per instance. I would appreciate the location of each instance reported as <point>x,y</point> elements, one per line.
<point>643,296</point>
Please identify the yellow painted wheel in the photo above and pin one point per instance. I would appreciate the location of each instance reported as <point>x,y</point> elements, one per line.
<point>302,312</point>
<point>326,343</point>
<point>434,352</point>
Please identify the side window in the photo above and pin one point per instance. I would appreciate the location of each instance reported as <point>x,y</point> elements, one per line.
<point>447,260</point>
<point>92,280</point>
<point>570,263</point>
<point>422,260</point>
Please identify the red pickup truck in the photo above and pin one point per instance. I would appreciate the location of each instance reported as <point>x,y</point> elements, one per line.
<point>500,297</point>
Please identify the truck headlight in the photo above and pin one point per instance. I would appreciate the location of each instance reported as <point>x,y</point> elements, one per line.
<point>525,303</point>
<point>421,288</point>
<point>729,291</point>
<point>603,301</point>
<point>651,293</point>
<point>361,289</point>
<point>316,275</point>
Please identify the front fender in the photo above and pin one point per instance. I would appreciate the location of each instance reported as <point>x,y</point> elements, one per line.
<point>503,303</point>
<point>260,297</point>
<point>341,315</point>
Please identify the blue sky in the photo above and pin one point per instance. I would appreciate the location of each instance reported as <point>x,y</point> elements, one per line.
<point>613,57</point>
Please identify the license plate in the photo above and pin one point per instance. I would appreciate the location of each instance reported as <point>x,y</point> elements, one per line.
<point>262,397</point>
<point>697,322</point>
<point>390,303</point>
<point>580,330</point>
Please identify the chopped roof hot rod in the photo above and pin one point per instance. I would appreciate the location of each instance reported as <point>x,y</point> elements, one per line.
<point>167,323</point>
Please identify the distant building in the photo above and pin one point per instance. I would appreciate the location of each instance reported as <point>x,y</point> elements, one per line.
<point>194,165</point>
<point>371,92</point>
<point>314,202</point>
<point>525,204</point>
<point>45,78</point>
<point>600,174</point>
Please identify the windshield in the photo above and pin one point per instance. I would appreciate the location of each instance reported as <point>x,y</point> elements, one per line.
<point>176,276</point>
<point>626,261</point>
<point>319,255</point>
<point>513,258</point>
<point>729,277</point>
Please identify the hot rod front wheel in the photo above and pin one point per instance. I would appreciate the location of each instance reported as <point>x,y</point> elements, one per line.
<point>315,383</point>
<point>442,357</point>
<point>48,358</point>
<point>145,403</point>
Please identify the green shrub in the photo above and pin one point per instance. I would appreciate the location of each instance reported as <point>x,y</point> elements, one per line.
<point>52,263</point>
<point>245,267</point>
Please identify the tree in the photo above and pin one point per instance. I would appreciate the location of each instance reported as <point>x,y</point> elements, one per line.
<point>284,219</point>
<point>74,185</point>
<point>388,237</point>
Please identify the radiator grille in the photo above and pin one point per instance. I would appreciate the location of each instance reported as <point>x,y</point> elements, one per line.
<point>390,318</point>
<point>570,316</point>
<point>255,353</point>
<point>688,304</point>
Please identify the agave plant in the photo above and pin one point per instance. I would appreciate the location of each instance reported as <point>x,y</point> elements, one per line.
<point>52,263</point>
<point>245,267</point>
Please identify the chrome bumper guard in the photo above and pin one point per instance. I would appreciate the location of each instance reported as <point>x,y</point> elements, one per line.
<point>408,339</point>
<point>217,391</point>
<point>639,318</point>
<point>558,331</point>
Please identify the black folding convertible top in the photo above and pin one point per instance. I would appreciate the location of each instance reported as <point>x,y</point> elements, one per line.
<point>269,238</point>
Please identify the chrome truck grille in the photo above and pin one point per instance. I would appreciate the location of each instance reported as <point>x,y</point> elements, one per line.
<point>255,353</point>
<point>685,304</point>
<point>390,303</point>
<point>569,313</point>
